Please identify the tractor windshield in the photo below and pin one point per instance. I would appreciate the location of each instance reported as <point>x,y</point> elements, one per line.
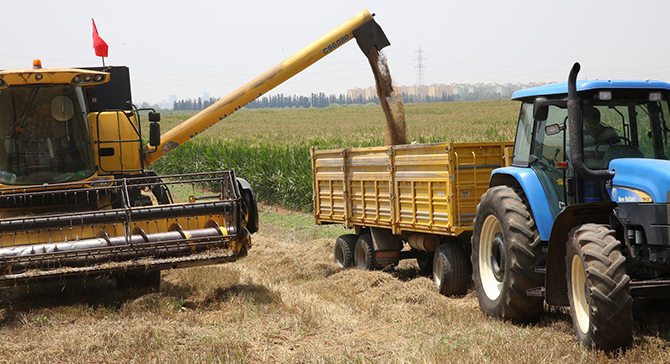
<point>46,136</point>
<point>629,124</point>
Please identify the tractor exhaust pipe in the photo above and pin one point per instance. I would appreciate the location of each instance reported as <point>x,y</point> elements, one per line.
<point>576,135</point>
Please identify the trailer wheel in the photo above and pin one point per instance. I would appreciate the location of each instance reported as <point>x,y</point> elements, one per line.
<point>598,290</point>
<point>451,269</point>
<point>364,255</point>
<point>344,250</point>
<point>506,248</point>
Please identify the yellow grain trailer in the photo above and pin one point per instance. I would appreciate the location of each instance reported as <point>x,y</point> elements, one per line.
<point>406,201</point>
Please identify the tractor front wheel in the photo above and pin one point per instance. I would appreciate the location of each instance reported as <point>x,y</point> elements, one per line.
<point>598,288</point>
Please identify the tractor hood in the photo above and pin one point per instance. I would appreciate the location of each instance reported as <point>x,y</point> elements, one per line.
<point>639,180</point>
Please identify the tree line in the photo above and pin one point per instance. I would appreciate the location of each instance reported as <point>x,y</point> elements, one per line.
<point>321,100</point>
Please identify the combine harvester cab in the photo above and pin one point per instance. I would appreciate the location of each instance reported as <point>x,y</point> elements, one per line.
<point>76,198</point>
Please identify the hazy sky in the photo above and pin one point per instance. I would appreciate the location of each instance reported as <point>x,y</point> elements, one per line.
<point>185,48</point>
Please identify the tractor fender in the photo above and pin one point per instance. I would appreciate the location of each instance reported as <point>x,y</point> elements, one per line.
<point>529,182</point>
<point>556,284</point>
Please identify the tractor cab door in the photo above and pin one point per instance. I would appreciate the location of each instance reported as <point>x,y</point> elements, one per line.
<point>551,158</point>
<point>544,147</point>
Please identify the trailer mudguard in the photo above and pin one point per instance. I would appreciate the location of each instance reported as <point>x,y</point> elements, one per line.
<point>529,182</point>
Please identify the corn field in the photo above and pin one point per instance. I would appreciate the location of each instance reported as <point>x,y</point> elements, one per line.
<point>270,147</point>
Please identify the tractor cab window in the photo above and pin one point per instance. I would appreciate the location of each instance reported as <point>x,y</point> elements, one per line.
<point>652,132</point>
<point>524,136</point>
<point>46,136</point>
<point>550,157</point>
<point>631,124</point>
<point>609,132</point>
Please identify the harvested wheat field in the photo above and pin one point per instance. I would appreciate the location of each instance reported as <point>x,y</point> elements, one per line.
<point>287,302</point>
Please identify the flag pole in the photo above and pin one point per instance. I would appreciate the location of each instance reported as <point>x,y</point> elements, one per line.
<point>99,45</point>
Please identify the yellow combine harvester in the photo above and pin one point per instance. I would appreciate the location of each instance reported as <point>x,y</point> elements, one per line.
<point>76,198</point>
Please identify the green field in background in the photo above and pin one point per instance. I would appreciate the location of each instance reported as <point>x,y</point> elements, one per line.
<point>270,147</point>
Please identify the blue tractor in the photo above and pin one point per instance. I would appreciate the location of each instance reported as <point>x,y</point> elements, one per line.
<point>581,217</point>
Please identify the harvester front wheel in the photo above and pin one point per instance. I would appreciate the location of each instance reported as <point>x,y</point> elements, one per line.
<point>451,269</point>
<point>506,247</point>
<point>364,255</point>
<point>598,290</point>
<point>344,250</point>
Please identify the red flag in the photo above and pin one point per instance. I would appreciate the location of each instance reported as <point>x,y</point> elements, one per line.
<point>100,46</point>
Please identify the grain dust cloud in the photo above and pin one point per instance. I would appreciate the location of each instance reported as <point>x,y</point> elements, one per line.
<point>390,101</point>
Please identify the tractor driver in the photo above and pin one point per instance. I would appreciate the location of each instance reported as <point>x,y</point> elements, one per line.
<point>595,132</point>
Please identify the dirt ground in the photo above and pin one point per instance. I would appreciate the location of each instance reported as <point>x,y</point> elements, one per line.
<point>287,302</point>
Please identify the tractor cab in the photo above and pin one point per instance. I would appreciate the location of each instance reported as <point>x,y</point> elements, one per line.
<point>581,217</point>
<point>619,119</point>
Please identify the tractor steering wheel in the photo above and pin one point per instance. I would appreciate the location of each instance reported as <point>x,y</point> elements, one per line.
<point>611,141</point>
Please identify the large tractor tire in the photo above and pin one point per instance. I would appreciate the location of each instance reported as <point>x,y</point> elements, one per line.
<point>451,269</point>
<point>506,248</point>
<point>364,255</point>
<point>598,288</point>
<point>344,250</point>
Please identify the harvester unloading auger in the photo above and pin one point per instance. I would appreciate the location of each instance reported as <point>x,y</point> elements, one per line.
<point>75,197</point>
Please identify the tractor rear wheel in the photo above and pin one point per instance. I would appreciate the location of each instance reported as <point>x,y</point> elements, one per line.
<point>506,247</point>
<point>451,269</point>
<point>344,250</point>
<point>598,290</point>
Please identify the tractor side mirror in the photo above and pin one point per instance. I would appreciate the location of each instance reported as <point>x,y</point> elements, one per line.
<point>553,129</point>
<point>540,109</point>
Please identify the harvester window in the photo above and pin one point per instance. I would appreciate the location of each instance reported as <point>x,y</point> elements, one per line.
<point>46,138</point>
